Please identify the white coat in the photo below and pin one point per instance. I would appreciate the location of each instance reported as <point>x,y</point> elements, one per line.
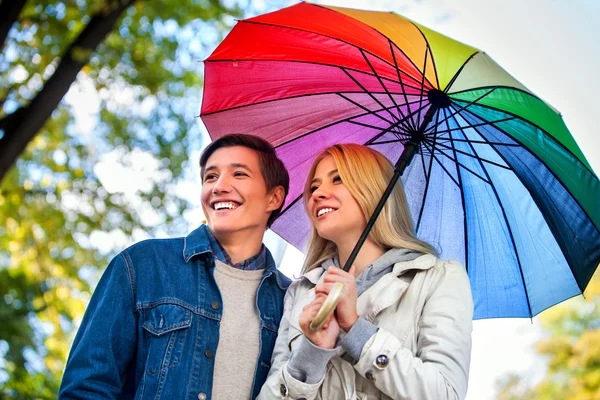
<point>423,310</point>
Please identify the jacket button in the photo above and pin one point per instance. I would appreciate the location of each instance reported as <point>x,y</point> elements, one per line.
<point>215,305</point>
<point>201,396</point>
<point>208,354</point>
<point>369,376</point>
<point>283,390</point>
<point>382,361</point>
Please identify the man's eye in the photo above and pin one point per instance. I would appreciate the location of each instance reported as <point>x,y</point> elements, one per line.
<point>209,177</point>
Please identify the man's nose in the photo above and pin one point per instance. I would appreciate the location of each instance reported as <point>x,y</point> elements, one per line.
<point>222,185</point>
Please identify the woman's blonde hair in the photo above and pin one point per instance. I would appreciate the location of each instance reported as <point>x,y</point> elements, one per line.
<point>365,173</point>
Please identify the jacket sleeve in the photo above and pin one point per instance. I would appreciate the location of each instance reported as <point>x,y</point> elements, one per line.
<point>106,341</point>
<point>440,369</point>
<point>280,383</point>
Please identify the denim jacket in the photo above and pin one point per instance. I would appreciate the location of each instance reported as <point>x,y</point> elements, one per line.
<point>151,329</point>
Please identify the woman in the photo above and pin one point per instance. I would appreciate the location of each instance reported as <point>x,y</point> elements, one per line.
<point>403,327</point>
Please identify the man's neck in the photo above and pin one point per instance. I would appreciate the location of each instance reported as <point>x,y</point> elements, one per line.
<point>240,246</point>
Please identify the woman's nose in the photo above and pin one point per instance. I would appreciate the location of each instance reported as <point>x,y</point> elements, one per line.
<point>321,193</point>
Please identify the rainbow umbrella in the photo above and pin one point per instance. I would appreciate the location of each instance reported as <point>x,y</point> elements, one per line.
<point>492,175</point>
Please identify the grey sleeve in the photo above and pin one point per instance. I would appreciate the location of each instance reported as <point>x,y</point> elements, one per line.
<point>309,363</point>
<point>359,334</point>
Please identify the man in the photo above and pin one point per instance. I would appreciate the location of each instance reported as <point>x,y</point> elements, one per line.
<point>193,317</point>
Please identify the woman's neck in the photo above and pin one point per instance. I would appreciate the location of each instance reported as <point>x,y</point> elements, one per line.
<point>368,253</point>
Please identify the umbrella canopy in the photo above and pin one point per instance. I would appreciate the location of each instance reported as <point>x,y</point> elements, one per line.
<point>497,181</point>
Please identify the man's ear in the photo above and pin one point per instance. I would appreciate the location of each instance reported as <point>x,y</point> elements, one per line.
<point>276,199</point>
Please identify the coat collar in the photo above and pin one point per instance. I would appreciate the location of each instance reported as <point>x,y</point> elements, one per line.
<point>423,262</point>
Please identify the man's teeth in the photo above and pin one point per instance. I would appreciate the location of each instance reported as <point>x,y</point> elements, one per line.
<point>225,205</point>
<point>324,211</point>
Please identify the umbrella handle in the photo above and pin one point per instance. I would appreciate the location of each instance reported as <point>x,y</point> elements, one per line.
<point>328,306</point>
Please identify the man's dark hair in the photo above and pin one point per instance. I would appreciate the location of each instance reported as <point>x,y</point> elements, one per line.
<point>271,167</point>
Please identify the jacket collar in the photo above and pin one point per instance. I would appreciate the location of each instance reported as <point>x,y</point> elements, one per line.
<point>197,243</point>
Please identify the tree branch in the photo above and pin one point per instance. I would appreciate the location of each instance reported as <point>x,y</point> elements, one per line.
<point>22,125</point>
<point>10,10</point>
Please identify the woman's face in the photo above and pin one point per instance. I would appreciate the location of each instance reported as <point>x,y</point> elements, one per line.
<point>333,211</point>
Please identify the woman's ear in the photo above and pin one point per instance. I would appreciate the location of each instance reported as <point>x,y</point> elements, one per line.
<point>276,199</point>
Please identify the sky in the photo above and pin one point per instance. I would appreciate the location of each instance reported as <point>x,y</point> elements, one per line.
<point>548,45</point>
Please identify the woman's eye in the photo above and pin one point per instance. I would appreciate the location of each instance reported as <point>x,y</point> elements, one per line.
<point>239,173</point>
<point>313,188</point>
<point>337,179</point>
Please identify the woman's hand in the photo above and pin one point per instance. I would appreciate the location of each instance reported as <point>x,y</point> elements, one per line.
<point>327,336</point>
<point>345,311</point>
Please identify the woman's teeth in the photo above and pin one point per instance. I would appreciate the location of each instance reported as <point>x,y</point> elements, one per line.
<point>324,211</point>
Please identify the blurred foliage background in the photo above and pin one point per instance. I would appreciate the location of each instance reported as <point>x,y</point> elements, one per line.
<point>135,67</point>
<point>139,64</point>
<point>571,347</point>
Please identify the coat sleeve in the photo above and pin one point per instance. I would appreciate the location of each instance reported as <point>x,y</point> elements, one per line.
<point>280,384</point>
<point>105,343</point>
<point>440,369</point>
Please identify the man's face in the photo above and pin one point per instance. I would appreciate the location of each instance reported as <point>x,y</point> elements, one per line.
<point>234,193</point>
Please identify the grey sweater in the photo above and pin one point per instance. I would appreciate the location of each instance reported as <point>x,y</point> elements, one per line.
<point>309,363</point>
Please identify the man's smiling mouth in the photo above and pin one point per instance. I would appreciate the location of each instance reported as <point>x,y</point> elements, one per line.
<point>225,205</point>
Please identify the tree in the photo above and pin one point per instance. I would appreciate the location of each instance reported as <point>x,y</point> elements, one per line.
<point>138,61</point>
<point>572,348</point>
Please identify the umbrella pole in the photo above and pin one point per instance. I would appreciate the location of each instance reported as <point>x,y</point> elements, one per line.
<point>410,149</point>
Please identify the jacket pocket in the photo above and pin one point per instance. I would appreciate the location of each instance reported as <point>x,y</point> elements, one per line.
<point>293,334</point>
<point>166,326</point>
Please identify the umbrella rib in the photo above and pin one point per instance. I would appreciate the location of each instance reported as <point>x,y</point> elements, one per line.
<point>399,76</point>
<point>399,140</point>
<point>432,60</point>
<point>464,207</point>
<point>546,134</point>
<point>471,126</point>
<point>423,162</point>
<point>423,81</point>
<point>370,141</point>
<point>403,120</point>
<point>289,206</point>
<point>370,95</point>
<point>449,85</point>
<point>464,166</point>
<point>348,119</point>
<point>441,164</point>
<point>444,139</point>
<point>367,110</point>
<point>437,115</point>
<point>512,239</point>
<point>474,156</point>
<point>466,106</point>
<point>381,83</point>
<point>330,37</point>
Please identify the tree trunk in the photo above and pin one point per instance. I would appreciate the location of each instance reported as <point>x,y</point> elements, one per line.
<point>22,125</point>
<point>9,10</point>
